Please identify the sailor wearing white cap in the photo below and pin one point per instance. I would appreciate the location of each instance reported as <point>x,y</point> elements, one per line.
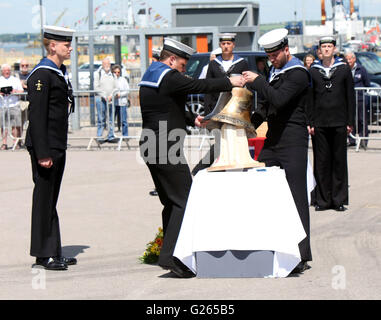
<point>213,55</point>
<point>225,64</point>
<point>178,48</point>
<point>163,93</point>
<point>274,40</point>
<point>50,99</point>
<point>58,33</point>
<point>227,37</point>
<point>327,39</point>
<point>334,103</point>
<point>282,103</point>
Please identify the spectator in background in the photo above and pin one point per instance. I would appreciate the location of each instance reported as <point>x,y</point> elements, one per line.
<point>23,75</point>
<point>308,60</point>
<point>105,83</point>
<point>361,79</point>
<point>319,54</point>
<point>262,68</point>
<point>122,102</point>
<point>12,105</point>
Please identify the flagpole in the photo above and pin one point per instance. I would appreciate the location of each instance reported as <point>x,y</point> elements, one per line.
<point>42,30</point>
<point>91,58</point>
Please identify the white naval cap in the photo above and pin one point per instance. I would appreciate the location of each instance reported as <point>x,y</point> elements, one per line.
<point>274,40</point>
<point>178,48</point>
<point>217,51</point>
<point>58,33</point>
<point>227,36</point>
<point>327,39</point>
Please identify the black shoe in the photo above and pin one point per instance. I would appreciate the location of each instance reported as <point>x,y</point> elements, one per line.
<point>351,144</point>
<point>181,271</point>
<point>153,193</point>
<point>112,140</point>
<point>68,261</point>
<point>301,267</point>
<point>101,140</point>
<point>339,208</point>
<point>52,263</point>
<point>320,208</point>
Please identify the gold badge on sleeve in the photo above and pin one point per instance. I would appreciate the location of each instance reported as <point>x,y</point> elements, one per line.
<point>39,85</point>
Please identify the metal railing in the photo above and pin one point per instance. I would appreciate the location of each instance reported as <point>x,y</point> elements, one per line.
<point>367,116</point>
<point>7,113</point>
<point>84,124</point>
<point>133,119</point>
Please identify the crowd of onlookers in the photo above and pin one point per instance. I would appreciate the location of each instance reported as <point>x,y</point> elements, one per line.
<point>14,104</point>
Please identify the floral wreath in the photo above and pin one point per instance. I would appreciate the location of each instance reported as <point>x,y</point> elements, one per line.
<point>151,255</point>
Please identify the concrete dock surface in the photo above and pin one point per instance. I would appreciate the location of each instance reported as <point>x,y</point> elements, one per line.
<point>107,217</point>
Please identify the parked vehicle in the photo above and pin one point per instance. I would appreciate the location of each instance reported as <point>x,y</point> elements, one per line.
<point>84,74</point>
<point>372,63</point>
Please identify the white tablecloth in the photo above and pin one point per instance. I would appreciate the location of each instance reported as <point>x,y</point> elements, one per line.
<point>251,210</point>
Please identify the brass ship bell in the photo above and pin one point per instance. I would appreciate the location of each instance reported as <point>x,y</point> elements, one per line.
<point>236,126</point>
<point>237,111</point>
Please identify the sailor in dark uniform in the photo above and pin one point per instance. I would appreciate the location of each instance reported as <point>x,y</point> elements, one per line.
<point>50,102</point>
<point>225,64</point>
<point>282,102</point>
<point>163,92</point>
<point>332,120</point>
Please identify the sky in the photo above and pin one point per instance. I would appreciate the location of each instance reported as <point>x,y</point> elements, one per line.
<point>19,16</point>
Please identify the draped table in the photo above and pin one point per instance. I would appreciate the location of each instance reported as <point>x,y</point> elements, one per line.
<point>249,210</point>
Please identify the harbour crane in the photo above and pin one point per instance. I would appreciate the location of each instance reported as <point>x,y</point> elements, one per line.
<point>334,2</point>
<point>60,16</point>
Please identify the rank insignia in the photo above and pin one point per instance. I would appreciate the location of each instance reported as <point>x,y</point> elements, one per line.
<point>39,85</point>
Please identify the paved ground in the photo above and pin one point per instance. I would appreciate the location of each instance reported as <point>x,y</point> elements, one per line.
<point>107,217</point>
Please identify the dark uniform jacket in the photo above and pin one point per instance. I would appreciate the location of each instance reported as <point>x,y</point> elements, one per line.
<point>216,70</point>
<point>163,98</point>
<point>48,93</point>
<point>282,102</point>
<point>361,80</point>
<point>333,101</point>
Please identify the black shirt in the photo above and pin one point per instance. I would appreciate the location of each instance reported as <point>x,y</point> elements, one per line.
<point>48,112</point>
<point>333,101</point>
<point>282,102</point>
<point>215,70</point>
<point>167,104</point>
